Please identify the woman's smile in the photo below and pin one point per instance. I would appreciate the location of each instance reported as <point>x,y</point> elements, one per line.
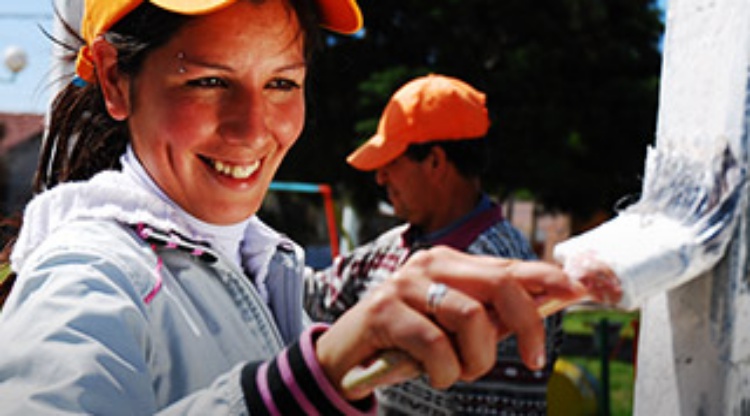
<point>232,170</point>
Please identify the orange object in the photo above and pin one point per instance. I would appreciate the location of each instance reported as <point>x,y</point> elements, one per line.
<point>333,235</point>
<point>342,16</point>
<point>429,108</point>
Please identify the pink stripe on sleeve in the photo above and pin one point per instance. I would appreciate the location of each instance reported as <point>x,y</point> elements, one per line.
<point>261,378</point>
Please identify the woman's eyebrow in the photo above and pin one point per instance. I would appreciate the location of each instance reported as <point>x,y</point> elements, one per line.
<point>292,67</point>
<point>185,60</point>
<point>192,61</point>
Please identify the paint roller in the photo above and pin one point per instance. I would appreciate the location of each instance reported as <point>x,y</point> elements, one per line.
<point>679,228</point>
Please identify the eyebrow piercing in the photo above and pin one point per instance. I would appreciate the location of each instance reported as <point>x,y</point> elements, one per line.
<point>181,57</point>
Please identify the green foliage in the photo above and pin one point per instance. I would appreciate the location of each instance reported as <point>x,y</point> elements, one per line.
<point>4,271</point>
<point>621,374</point>
<point>584,321</point>
<point>572,90</point>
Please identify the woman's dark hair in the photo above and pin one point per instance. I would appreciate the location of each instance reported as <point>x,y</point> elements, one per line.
<point>8,230</point>
<point>82,139</point>
<point>469,156</point>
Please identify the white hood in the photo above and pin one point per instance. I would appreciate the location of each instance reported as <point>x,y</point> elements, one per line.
<point>118,196</point>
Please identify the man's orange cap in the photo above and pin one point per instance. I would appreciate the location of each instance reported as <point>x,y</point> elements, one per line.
<point>341,16</point>
<point>430,108</point>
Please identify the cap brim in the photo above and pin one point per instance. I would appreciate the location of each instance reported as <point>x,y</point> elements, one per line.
<point>192,6</point>
<point>342,16</point>
<point>376,153</point>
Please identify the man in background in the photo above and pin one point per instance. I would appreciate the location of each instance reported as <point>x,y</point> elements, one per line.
<point>429,153</point>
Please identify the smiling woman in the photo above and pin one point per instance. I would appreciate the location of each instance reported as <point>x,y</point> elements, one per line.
<point>144,281</point>
<point>206,120</point>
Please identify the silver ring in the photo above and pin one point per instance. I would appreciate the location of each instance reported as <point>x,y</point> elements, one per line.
<point>435,294</point>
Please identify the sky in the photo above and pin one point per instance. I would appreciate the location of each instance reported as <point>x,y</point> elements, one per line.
<point>20,22</point>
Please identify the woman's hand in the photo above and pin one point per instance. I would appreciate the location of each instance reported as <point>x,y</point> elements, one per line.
<point>601,282</point>
<point>453,336</point>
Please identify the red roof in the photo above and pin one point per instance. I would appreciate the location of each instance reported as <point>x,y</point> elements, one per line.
<point>18,128</point>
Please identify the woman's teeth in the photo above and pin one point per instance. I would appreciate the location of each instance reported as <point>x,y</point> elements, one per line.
<point>236,171</point>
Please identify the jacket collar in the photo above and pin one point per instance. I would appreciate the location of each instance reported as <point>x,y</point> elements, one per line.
<point>462,232</point>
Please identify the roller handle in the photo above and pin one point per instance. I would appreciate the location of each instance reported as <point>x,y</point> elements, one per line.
<point>391,362</point>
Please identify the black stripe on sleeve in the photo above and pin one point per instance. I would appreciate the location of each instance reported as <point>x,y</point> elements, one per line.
<point>285,401</point>
<point>253,400</point>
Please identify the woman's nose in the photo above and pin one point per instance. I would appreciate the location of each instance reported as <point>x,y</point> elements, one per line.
<point>246,120</point>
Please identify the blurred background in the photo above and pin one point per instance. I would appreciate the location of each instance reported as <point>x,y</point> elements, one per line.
<point>572,89</point>
<point>572,86</point>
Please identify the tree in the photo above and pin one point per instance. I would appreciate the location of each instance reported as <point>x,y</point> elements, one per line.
<point>572,89</point>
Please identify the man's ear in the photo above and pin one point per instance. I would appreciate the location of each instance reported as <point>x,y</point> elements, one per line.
<point>438,158</point>
<point>113,84</point>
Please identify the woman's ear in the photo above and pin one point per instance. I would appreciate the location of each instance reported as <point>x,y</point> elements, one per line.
<point>113,84</point>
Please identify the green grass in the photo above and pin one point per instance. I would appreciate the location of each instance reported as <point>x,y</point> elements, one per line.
<point>621,374</point>
<point>621,379</point>
<point>583,321</point>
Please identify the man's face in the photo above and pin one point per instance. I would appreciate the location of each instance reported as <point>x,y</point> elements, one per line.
<point>410,189</point>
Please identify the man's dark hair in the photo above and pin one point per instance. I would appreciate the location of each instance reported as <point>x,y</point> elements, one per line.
<point>469,156</point>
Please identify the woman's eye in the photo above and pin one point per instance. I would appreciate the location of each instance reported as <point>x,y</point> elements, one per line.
<point>283,84</point>
<point>208,82</point>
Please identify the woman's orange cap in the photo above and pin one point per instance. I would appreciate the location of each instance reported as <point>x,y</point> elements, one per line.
<point>341,16</point>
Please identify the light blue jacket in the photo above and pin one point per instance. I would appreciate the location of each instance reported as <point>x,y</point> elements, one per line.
<point>118,308</point>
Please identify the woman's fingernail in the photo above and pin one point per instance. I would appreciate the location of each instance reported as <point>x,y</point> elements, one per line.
<point>541,359</point>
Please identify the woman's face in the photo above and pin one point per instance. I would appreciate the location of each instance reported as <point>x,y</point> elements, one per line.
<point>214,111</point>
